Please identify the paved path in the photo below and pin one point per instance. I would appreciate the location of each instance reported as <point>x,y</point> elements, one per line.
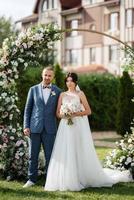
<point>105,138</point>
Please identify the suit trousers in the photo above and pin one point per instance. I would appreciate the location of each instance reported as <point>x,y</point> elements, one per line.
<point>35,142</point>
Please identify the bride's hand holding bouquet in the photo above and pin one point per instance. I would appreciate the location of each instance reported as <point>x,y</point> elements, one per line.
<point>68,111</point>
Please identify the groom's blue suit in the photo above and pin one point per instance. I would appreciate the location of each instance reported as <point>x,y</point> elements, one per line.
<point>40,118</point>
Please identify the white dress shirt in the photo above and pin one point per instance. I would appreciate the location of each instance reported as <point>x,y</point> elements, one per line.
<point>46,93</point>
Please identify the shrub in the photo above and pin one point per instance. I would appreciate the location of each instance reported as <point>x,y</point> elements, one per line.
<point>28,78</point>
<point>102,93</point>
<point>59,76</point>
<point>125,112</point>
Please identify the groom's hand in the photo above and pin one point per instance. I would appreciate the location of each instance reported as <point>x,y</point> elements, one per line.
<point>27,132</point>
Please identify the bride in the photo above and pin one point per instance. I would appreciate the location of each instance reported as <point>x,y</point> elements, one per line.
<point>74,164</point>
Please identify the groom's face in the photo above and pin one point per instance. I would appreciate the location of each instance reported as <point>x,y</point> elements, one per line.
<point>47,76</point>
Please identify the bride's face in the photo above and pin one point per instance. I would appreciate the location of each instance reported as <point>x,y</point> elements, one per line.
<point>70,84</point>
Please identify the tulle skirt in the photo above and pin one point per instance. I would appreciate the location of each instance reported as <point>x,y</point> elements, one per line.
<point>74,164</point>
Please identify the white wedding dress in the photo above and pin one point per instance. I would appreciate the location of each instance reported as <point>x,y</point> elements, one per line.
<point>74,164</point>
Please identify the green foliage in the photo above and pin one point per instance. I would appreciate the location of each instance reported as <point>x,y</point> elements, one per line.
<point>31,76</point>
<point>125,112</point>
<point>6,29</point>
<point>59,76</point>
<point>128,61</point>
<point>101,91</point>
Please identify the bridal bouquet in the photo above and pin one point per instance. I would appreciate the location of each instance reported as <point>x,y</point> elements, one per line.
<point>67,109</point>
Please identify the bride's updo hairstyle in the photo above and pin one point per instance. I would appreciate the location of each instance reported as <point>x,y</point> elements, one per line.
<point>73,76</point>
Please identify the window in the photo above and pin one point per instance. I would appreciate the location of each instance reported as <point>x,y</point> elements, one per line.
<point>90,1</point>
<point>45,5</point>
<point>129,17</point>
<point>74,25</point>
<point>92,54</point>
<point>113,53</point>
<point>49,4</point>
<point>72,57</point>
<point>92,27</point>
<point>114,21</point>
<point>54,4</point>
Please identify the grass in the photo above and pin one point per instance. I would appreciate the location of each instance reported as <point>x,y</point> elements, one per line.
<point>109,139</point>
<point>102,152</point>
<point>14,191</point>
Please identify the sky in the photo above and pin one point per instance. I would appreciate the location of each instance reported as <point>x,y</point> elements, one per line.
<point>16,9</point>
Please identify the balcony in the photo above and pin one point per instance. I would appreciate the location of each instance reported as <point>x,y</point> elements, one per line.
<point>110,3</point>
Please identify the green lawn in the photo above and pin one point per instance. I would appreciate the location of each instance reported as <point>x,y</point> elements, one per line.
<point>102,152</point>
<point>109,139</point>
<point>14,191</point>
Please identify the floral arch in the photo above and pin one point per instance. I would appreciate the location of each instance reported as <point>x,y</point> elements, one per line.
<point>16,55</point>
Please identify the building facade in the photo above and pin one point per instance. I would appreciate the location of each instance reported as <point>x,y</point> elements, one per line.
<point>83,49</point>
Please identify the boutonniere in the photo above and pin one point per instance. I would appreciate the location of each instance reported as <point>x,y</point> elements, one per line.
<point>53,93</point>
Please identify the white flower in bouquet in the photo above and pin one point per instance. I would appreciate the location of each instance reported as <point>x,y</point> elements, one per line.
<point>17,43</point>
<point>67,109</point>
<point>30,43</point>
<point>24,45</point>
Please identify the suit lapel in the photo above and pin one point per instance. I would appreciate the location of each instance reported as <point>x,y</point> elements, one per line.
<point>41,93</point>
<point>50,96</point>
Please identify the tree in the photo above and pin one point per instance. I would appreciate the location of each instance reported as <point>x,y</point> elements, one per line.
<point>6,29</point>
<point>125,111</point>
<point>59,76</point>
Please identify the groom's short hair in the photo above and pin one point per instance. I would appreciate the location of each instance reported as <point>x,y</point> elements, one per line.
<point>49,68</point>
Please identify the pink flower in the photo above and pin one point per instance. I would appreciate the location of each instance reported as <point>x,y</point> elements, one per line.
<point>18,143</point>
<point>5,139</point>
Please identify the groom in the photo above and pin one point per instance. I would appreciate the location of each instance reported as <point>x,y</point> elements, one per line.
<point>40,121</point>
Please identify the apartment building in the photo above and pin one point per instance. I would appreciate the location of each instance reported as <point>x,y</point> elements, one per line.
<point>83,51</point>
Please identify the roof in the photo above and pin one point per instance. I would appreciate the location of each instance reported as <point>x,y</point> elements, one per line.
<point>87,69</point>
<point>64,4</point>
<point>34,17</point>
<point>30,18</point>
<point>35,10</point>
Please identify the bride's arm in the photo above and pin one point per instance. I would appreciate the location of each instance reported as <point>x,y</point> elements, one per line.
<point>84,102</point>
<point>59,106</point>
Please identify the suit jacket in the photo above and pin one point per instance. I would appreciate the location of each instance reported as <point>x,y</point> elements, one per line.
<point>37,114</point>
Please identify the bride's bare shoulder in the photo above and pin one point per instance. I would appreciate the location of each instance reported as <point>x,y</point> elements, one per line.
<point>81,93</point>
<point>62,94</point>
<point>82,96</point>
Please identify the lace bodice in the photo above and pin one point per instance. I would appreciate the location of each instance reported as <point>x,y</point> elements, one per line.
<point>70,97</point>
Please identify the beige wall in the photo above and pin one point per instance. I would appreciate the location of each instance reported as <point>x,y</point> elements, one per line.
<point>91,16</point>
